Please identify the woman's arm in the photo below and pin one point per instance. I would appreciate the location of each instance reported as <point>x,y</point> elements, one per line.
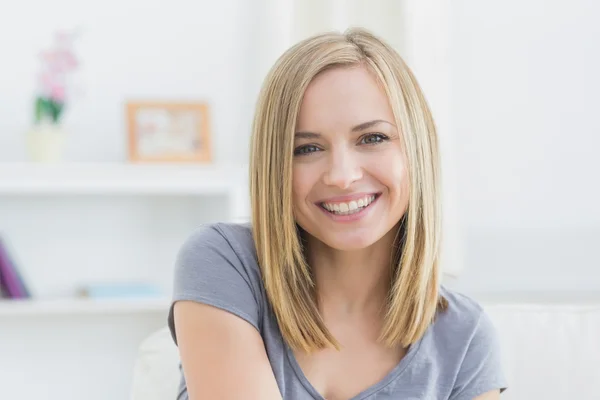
<point>223,356</point>
<point>493,395</point>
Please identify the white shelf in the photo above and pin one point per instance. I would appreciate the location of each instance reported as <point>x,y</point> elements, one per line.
<point>74,306</point>
<point>86,178</point>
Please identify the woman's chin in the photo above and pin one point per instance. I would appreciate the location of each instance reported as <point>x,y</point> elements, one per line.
<point>348,242</point>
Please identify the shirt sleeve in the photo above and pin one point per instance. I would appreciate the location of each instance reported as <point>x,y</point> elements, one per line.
<point>481,370</point>
<point>208,270</point>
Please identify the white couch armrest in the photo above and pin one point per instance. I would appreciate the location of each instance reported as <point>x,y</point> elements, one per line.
<point>156,372</point>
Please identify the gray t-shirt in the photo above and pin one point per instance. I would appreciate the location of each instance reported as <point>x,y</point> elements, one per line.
<point>458,358</point>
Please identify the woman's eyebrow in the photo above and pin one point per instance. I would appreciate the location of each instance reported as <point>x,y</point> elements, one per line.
<point>307,135</point>
<point>357,128</point>
<point>370,124</point>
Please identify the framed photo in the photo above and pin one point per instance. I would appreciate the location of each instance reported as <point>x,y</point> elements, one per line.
<point>169,132</point>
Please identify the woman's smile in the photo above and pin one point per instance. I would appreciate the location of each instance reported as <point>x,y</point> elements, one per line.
<point>349,208</point>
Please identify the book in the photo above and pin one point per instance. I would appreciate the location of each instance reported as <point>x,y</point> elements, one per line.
<point>3,289</point>
<point>120,290</point>
<point>11,281</point>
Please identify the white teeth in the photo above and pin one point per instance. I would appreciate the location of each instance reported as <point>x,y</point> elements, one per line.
<point>350,207</point>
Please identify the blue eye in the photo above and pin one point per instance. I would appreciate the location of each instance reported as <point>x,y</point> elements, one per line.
<point>373,138</point>
<point>306,149</point>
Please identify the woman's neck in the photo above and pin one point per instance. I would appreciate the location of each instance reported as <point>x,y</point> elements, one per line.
<point>352,283</point>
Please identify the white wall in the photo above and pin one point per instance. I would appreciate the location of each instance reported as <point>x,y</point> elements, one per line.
<point>525,101</point>
<point>132,49</point>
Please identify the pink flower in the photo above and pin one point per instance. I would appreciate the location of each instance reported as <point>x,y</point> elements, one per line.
<point>58,94</point>
<point>60,61</point>
<point>56,65</point>
<point>45,80</point>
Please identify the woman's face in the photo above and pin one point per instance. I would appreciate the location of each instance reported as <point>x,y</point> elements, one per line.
<point>350,175</point>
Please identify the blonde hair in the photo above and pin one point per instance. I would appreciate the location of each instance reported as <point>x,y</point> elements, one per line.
<point>414,294</point>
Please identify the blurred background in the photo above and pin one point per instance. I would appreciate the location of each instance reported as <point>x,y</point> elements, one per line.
<point>125,124</point>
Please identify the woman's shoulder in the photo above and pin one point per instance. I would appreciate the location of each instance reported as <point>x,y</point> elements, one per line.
<point>216,265</point>
<point>220,250</point>
<point>463,324</point>
<point>228,230</point>
<point>463,315</point>
<point>461,307</point>
<point>227,236</point>
<point>466,344</point>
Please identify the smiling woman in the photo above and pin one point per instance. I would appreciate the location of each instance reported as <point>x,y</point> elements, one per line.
<point>356,156</point>
<point>333,291</point>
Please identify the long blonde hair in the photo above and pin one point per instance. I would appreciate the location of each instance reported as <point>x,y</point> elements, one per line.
<point>414,294</point>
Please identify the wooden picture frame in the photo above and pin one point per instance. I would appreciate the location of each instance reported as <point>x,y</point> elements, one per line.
<point>169,132</point>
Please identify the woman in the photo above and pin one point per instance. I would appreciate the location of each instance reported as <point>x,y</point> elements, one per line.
<point>333,291</point>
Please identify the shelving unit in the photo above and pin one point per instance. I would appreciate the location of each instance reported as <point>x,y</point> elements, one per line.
<point>65,204</point>
<point>70,225</point>
<point>75,307</point>
<point>135,179</point>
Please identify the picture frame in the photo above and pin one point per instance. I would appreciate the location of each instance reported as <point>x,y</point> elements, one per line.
<point>170,132</point>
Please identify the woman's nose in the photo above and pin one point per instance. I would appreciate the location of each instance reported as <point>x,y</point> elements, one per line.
<point>343,170</point>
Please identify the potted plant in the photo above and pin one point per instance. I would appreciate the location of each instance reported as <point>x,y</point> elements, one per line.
<point>46,138</point>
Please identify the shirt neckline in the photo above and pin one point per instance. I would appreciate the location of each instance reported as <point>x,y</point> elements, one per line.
<point>371,390</point>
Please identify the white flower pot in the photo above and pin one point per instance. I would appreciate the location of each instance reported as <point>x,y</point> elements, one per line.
<point>45,142</point>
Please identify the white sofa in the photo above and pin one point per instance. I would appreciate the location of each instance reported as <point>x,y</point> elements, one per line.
<point>551,352</point>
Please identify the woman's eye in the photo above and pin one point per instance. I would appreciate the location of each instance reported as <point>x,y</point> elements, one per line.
<point>373,138</point>
<point>307,149</point>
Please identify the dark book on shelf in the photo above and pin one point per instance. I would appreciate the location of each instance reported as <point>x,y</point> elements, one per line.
<point>3,289</point>
<point>12,284</point>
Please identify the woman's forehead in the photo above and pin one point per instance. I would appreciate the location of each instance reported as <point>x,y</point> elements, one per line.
<point>343,97</point>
